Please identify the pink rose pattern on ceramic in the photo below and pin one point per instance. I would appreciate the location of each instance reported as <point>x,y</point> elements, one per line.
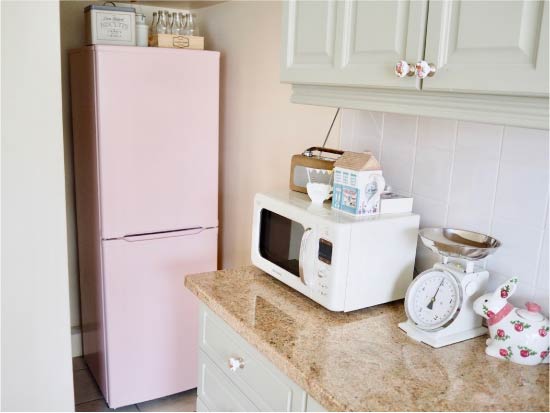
<point>399,69</point>
<point>501,335</point>
<point>505,291</point>
<point>506,352</point>
<point>517,335</point>
<point>519,325</point>
<point>402,69</point>
<point>526,351</point>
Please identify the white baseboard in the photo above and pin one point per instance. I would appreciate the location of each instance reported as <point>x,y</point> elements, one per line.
<point>76,341</point>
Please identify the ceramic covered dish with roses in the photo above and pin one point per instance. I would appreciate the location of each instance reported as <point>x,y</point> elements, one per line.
<point>515,334</point>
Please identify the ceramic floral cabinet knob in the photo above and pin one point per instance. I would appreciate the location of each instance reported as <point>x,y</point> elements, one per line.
<point>515,334</point>
<point>424,69</point>
<point>402,69</point>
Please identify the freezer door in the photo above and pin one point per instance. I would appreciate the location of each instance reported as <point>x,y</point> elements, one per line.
<point>158,139</point>
<point>151,318</point>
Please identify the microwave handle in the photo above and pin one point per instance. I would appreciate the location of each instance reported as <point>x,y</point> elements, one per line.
<point>303,245</point>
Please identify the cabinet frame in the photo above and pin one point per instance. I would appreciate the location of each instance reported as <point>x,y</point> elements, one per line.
<point>521,111</point>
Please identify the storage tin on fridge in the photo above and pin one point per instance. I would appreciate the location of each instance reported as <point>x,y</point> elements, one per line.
<point>110,25</point>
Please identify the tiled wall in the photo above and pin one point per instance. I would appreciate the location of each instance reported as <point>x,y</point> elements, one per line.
<point>486,178</point>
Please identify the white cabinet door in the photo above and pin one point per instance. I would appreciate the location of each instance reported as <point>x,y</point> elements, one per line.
<point>496,47</point>
<point>352,42</point>
<point>258,379</point>
<point>314,406</point>
<point>216,392</point>
<point>375,36</point>
<point>309,41</point>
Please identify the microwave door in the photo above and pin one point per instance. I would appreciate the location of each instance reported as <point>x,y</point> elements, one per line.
<point>281,241</point>
<point>305,273</point>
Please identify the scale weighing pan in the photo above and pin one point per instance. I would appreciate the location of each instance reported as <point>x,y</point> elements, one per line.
<point>459,243</point>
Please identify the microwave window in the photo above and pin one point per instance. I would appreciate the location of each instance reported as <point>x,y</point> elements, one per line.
<point>280,240</point>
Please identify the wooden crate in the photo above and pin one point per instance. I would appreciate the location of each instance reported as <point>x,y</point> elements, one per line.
<point>176,41</point>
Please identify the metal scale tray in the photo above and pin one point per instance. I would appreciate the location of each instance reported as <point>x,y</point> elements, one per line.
<point>458,243</point>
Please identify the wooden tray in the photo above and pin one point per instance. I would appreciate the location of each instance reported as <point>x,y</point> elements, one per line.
<point>176,41</point>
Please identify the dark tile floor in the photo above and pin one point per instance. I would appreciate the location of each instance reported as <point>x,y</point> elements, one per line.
<point>88,398</point>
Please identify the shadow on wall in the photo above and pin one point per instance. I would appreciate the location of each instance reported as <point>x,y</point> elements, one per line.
<point>71,15</point>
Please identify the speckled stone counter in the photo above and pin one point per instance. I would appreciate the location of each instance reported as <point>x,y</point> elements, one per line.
<point>362,361</point>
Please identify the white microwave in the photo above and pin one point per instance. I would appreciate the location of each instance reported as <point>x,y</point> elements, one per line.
<point>342,262</point>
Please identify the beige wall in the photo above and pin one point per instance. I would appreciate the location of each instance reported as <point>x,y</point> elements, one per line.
<point>260,128</point>
<point>36,352</point>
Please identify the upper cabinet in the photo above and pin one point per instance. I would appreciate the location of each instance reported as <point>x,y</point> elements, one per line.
<point>476,60</point>
<point>310,41</point>
<point>352,43</point>
<point>488,46</point>
<point>375,35</point>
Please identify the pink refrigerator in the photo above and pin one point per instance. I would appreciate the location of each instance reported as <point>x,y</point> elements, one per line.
<point>145,131</point>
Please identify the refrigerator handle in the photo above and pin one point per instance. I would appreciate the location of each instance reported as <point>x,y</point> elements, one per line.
<point>163,234</point>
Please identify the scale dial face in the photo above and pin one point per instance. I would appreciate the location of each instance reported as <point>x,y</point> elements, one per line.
<point>433,299</point>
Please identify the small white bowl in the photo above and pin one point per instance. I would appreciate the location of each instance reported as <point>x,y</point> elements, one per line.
<point>319,193</point>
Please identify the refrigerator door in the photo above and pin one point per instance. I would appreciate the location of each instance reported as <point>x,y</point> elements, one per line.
<point>158,139</point>
<point>151,318</point>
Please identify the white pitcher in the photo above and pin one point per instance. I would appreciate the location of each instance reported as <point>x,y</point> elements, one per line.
<point>370,200</point>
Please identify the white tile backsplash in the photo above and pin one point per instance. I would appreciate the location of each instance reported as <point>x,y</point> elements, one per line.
<point>437,133</point>
<point>398,150</point>
<point>525,145</point>
<point>474,180</point>
<point>472,192</point>
<point>541,283</point>
<point>397,129</point>
<point>398,161</point>
<point>432,169</point>
<point>369,130</point>
<point>519,254</point>
<point>432,213</point>
<point>524,164</point>
<point>487,178</point>
<point>479,139</point>
<point>522,191</point>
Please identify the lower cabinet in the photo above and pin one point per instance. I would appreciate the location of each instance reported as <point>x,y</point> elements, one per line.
<point>216,391</point>
<point>234,376</point>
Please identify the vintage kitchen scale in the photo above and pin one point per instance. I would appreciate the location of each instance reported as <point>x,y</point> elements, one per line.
<point>439,302</point>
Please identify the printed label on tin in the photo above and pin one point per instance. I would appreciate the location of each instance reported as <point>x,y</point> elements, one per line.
<point>114,27</point>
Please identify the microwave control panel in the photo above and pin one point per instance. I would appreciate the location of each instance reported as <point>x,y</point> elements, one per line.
<point>324,256</point>
<point>325,251</point>
<point>323,274</point>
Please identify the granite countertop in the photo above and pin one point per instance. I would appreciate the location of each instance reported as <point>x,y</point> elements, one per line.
<point>361,360</point>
